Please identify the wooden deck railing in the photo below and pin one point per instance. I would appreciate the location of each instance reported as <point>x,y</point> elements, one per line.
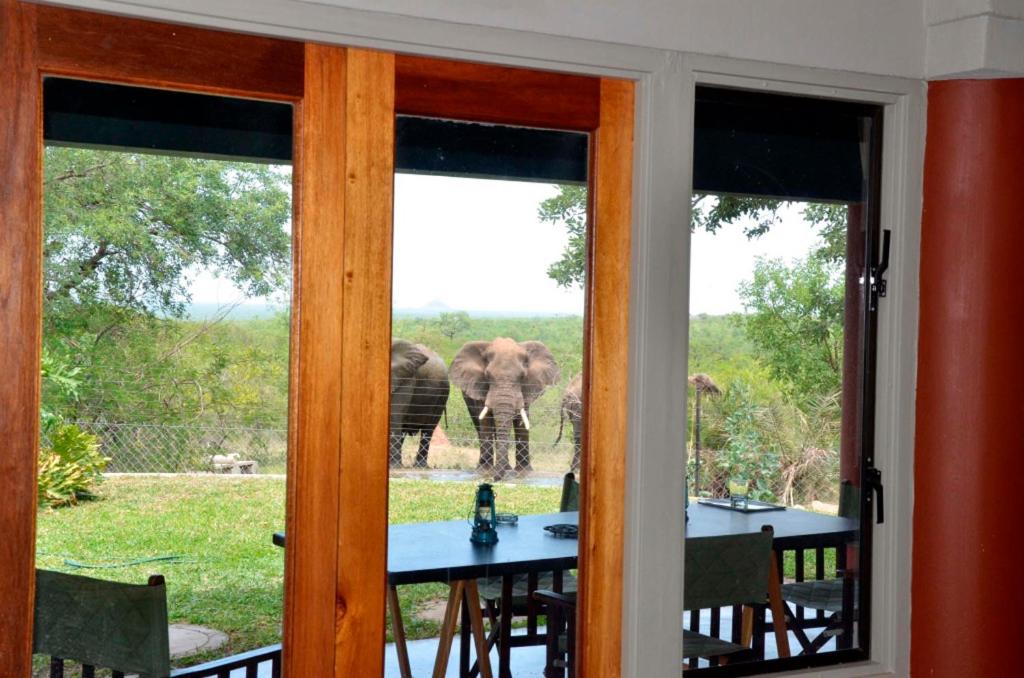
<point>251,661</point>
<point>258,663</point>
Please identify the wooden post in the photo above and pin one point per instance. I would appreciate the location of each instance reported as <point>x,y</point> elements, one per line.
<point>603,487</point>
<point>21,258</point>
<point>315,388</point>
<point>366,364</point>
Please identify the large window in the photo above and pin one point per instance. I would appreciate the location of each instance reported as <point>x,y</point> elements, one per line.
<point>486,407</point>
<point>782,321</point>
<point>166,326</point>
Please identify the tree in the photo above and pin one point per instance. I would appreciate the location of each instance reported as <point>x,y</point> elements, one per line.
<point>453,323</point>
<point>125,231</point>
<point>124,235</point>
<point>708,213</point>
<point>795,317</point>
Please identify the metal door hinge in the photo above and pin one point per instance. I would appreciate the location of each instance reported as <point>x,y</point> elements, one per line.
<point>879,285</point>
<point>874,484</point>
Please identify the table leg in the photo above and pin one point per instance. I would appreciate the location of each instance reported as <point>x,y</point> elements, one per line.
<point>451,618</point>
<point>398,630</point>
<point>505,625</point>
<point>476,621</point>
<point>778,610</point>
<point>464,639</point>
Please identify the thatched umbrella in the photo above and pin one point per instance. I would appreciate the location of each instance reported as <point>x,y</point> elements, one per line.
<point>703,385</point>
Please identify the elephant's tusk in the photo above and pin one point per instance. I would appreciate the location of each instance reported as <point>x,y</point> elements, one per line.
<point>483,413</point>
<point>526,420</point>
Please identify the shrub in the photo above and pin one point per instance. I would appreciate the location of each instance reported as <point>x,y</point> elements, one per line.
<point>69,466</point>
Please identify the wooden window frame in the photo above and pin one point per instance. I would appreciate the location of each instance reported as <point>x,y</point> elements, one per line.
<point>345,101</point>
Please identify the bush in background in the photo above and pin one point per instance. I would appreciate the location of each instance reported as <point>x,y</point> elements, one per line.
<point>69,466</point>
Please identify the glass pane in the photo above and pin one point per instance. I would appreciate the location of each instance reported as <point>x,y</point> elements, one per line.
<point>486,383</point>
<point>779,346</point>
<point>165,379</point>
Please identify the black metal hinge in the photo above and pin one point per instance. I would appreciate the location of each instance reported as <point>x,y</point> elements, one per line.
<point>874,484</point>
<point>879,285</point>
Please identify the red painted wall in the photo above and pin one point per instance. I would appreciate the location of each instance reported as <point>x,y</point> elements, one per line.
<point>968,564</point>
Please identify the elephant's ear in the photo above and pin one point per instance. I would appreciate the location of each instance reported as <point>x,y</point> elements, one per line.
<point>541,370</point>
<point>406,358</point>
<point>468,369</point>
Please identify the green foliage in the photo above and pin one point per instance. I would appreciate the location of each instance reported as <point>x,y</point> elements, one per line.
<point>747,453</point>
<point>795,318</point>
<point>788,453</point>
<point>124,232</point>
<point>832,219</point>
<point>124,235</point>
<point>569,208</point>
<point>69,466</point>
<point>216,372</point>
<point>707,212</point>
<point>710,212</point>
<point>453,323</point>
<point>59,378</point>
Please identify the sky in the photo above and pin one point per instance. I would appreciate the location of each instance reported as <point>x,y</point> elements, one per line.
<point>477,245</point>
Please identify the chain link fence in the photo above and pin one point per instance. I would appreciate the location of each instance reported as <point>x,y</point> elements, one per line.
<point>135,447</point>
<point>186,448</point>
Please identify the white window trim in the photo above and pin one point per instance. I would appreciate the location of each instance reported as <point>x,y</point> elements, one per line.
<point>660,314</point>
<point>660,283</point>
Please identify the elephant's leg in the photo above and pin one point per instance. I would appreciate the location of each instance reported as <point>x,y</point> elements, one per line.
<point>424,448</point>
<point>577,446</point>
<point>522,446</point>
<point>485,429</point>
<point>395,449</point>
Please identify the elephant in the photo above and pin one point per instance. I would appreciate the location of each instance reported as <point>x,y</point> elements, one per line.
<point>572,409</point>
<point>499,380</point>
<point>419,395</point>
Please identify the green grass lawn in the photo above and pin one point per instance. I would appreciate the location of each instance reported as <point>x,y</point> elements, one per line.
<point>229,576</point>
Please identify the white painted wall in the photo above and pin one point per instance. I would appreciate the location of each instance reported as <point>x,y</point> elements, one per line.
<point>910,38</point>
<point>974,38</point>
<point>874,36</point>
<point>885,37</point>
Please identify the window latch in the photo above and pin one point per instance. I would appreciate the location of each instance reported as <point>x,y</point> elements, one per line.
<point>879,285</point>
<point>874,482</point>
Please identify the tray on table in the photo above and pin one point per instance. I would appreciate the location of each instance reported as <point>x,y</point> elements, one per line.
<point>753,505</point>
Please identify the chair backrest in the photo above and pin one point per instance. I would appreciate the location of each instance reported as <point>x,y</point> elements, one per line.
<point>849,500</point>
<point>727,570</point>
<point>106,624</point>
<point>570,494</point>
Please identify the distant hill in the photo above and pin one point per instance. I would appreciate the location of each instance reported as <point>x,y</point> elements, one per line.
<point>432,311</point>
<point>249,311</point>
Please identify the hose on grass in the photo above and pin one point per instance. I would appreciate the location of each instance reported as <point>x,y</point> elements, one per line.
<point>173,558</point>
<point>78,565</point>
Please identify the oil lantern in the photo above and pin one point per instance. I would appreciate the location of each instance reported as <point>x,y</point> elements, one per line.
<point>484,517</point>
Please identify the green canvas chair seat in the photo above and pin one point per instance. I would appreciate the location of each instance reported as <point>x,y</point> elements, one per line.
<point>490,587</point>
<point>100,623</point>
<point>698,645</point>
<point>824,594</point>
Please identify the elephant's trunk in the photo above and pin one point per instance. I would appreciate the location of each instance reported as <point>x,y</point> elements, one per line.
<point>503,440</point>
<point>503,404</point>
